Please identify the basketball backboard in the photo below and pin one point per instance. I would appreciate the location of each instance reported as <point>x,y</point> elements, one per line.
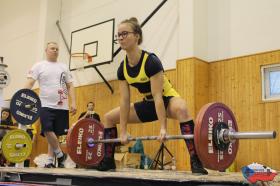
<point>95,40</point>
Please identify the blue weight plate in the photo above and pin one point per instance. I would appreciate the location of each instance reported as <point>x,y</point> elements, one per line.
<point>25,106</point>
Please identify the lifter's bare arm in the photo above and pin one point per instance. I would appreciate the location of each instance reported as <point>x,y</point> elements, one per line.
<point>29,83</point>
<point>157,89</point>
<point>124,110</point>
<point>71,91</point>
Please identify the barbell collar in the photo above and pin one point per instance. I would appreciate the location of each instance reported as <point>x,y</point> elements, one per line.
<point>19,146</point>
<point>28,106</point>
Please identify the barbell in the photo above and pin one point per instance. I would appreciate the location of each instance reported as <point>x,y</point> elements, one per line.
<point>215,135</point>
<point>225,136</point>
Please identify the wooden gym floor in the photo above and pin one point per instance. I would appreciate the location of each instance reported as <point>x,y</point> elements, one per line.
<point>125,176</point>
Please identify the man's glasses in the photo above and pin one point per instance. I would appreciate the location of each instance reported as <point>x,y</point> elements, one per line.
<point>123,34</point>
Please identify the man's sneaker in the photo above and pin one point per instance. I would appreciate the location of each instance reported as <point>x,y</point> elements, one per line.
<point>196,166</point>
<point>50,165</point>
<point>106,164</point>
<point>61,161</point>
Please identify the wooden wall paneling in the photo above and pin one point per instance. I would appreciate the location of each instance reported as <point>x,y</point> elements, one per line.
<point>192,83</point>
<point>242,93</point>
<point>185,84</point>
<point>201,84</point>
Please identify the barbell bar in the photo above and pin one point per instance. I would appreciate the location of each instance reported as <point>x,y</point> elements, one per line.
<point>228,136</point>
<point>231,136</point>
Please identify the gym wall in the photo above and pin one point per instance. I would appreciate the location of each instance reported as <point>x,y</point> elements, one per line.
<point>181,34</point>
<point>227,29</point>
<point>18,39</point>
<point>163,34</point>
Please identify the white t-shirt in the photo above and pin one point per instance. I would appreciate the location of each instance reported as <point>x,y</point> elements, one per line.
<point>52,78</point>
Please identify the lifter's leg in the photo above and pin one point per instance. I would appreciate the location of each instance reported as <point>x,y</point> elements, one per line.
<point>111,119</point>
<point>177,109</point>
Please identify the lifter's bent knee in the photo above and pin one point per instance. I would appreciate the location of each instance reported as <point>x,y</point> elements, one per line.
<point>182,113</point>
<point>109,121</point>
<point>49,133</point>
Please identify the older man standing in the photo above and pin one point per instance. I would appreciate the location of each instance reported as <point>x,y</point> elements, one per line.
<point>56,85</point>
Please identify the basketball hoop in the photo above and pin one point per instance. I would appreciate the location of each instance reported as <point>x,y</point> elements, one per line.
<point>80,60</point>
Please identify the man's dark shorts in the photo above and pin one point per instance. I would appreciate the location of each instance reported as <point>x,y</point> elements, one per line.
<point>55,120</point>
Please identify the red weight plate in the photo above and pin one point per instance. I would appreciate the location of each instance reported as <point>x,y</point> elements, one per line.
<point>77,142</point>
<point>207,118</point>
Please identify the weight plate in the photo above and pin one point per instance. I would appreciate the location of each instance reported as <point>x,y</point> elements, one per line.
<point>79,150</point>
<point>16,146</point>
<point>211,157</point>
<point>25,106</point>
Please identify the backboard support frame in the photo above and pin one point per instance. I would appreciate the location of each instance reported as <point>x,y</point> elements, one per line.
<point>113,42</point>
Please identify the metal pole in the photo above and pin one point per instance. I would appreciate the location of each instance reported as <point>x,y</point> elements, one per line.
<point>63,37</point>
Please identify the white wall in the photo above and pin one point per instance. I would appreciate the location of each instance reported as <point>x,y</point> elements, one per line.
<point>31,23</point>
<point>208,29</point>
<point>18,39</point>
<point>25,28</point>
<point>200,33</point>
<point>47,30</point>
<point>168,33</point>
<point>254,26</point>
<point>186,29</point>
<point>231,28</point>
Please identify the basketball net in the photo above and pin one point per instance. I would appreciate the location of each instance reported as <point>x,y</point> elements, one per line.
<point>80,60</point>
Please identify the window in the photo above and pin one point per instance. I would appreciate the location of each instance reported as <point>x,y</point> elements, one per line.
<point>271,82</point>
